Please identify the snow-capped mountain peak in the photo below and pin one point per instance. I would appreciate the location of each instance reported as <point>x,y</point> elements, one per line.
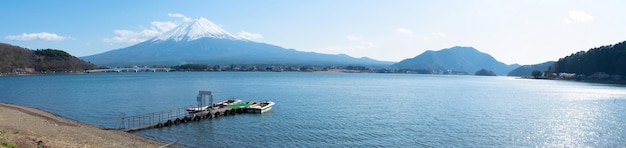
<point>196,29</point>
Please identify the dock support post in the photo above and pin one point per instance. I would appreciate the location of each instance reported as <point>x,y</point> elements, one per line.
<point>120,120</point>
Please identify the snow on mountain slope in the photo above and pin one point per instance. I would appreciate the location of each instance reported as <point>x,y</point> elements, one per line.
<point>202,41</point>
<point>195,29</point>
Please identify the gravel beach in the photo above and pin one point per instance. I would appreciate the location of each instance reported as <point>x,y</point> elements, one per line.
<point>27,127</point>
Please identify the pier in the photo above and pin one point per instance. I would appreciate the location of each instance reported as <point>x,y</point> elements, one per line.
<point>173,117</point>
<point>182,115</point>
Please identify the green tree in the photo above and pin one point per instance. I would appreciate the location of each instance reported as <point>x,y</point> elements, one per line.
<point>610,59</point>
<point>485,72</point>
<point>536,73</point>
<point>192,67</point>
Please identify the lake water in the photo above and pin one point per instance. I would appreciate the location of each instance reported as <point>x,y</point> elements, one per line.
<point>344,110</point>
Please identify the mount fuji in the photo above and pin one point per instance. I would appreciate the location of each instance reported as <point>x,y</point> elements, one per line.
<point>201,41</point>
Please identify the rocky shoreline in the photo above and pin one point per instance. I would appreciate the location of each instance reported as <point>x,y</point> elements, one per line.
<point>27,127</point>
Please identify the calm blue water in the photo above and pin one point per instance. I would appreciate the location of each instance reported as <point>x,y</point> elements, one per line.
<point>344,110</point>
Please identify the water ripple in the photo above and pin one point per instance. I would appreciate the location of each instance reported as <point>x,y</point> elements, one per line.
<point>345,110</point>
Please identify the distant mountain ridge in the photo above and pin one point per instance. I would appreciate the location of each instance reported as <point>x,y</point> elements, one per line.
<point>464,59</point>
<point>526,70</point>
<point>202,42</point>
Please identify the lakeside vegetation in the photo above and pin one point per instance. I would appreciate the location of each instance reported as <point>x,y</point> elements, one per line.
<point>18,60</point>
<point>485,72</point>
<point>605,64</point>
<point>305,68</point>
<point>527,70</point>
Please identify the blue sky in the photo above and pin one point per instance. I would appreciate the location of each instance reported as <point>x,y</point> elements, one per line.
<point>520,31</point>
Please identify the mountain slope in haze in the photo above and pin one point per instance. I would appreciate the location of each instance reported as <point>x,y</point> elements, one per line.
<point>526,70</point>
<point>464,59</point>
<point>202,42</point>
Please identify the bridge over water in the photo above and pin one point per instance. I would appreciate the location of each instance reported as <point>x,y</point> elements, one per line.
<point>132,69</point>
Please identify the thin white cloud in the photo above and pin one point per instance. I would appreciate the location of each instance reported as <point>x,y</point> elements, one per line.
<point>156,28</point>
<point>360,40</point>
<point>129,36</point>
<point>175,15</point>
<point>42,36</point>
<point>404,31</point>
<point>163,26</point>
<point>178,15</point>
<point>249,36</point>
<point>578,16</point>
<point>352,37</point>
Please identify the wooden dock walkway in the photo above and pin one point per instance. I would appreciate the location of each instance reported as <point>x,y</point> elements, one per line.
<point>181,115</point>
<point>173,117</point>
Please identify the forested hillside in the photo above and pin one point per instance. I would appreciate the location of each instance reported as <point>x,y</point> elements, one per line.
<point>605,62</point>
<point>12,57</point>
<point>526,70</point>
<point>18,60</point>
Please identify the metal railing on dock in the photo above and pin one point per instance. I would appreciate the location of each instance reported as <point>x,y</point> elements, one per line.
<point>153,119</point>
<point>173,116</point>
<point>184,114</point>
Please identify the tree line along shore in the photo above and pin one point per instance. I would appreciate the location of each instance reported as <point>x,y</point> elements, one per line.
<point>604,64</point>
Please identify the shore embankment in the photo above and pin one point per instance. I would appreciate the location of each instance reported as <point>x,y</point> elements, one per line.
<point>27,127</point>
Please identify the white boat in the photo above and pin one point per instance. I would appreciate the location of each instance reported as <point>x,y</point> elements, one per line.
<point>229,102</point>
<point>204,108</point>
<point>197,109</point>
<point>261,107</point>
<point>202,96</point>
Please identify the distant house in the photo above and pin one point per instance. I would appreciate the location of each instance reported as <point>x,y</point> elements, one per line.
<point>567,75</point>
<point>23,70</point>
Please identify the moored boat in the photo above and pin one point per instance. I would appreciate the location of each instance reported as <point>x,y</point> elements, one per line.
<point>228,102</point>
<point>197,109</point>
<point>220,104</point>
<point>261,107</point>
